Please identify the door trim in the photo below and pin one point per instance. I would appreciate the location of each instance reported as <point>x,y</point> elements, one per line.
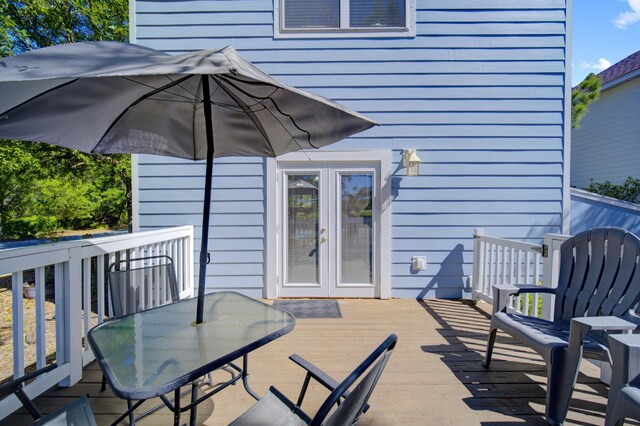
<point>272,209</point>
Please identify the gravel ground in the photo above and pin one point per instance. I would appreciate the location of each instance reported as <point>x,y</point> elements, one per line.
<point>6,340</point>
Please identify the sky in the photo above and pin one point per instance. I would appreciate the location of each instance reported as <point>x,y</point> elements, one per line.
<point>604,32</point>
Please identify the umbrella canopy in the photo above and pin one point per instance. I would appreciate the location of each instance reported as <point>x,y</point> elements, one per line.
<point>106,97</point>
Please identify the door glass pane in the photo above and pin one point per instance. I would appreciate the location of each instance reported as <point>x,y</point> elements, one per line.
<point>311,14</point>
<point>377,13</point>
<point>356,210</point>
<point>303,215</point>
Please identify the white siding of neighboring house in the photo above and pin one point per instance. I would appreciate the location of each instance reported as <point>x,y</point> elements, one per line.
<point>479,92</point>
<point>607,144</point>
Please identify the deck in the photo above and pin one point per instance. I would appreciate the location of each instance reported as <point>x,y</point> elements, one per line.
<point>434,377</point>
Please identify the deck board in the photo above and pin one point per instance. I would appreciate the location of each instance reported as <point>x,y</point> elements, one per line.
<point>434,377</point>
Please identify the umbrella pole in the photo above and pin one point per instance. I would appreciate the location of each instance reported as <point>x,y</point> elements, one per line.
<point>204,254</point>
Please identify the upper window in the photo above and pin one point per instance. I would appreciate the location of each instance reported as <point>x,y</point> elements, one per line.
<point>321,18</point>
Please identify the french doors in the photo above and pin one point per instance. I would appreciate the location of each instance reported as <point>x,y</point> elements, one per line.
<point>328,229</point>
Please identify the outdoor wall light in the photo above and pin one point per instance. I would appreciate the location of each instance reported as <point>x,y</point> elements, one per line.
<point>411,162</point>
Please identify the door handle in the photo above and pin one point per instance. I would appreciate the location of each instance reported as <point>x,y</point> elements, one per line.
<point>323,230</point>
<point>323,239</point>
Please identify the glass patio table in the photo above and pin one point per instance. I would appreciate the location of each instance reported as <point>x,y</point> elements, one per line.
<point>154,352</point>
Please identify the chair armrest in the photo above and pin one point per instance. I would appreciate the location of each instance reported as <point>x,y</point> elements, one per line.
<point>502,292</point>
<point>10,387</point>
<point>625,352</point>
<point>581,326</point>
<point>320,376</point>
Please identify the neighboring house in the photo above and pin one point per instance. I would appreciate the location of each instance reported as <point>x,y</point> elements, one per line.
<point>478,87</point>
<point>605,147</point>
<point>589,210</point>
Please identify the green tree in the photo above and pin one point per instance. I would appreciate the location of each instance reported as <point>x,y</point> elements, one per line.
<point>585,93</point>
<point>18,170</point>
<point>32,24</point>
<point>39,179</point>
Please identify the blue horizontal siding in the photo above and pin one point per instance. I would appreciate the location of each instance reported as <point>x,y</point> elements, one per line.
<point>178,45</point>
<point>220,194</point>
<point>430,195</point>
<point>479,92</point>
<point>438,29</point>
<point>467,117</point>
<point>342,93</point>
<point>458,80</point>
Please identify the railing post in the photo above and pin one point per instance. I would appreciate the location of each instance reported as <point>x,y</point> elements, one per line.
<point>188,261</point>
<point>548,300</point>
<point>73,316</point>
<point>551,271</point>
<point>478,263</point>
<point>18,324</point>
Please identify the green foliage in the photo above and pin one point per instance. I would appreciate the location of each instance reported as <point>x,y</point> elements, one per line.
<point>40,180</point>
<point>32,24</point>
<point>628,191</point>
<point>18,171</point>
<point>66,199</point>
<point>31,227</point>
<point>585,93</point>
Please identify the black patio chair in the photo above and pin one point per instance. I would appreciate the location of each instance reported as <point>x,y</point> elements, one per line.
<point>141,283</point>
<point>275,408</point>
<point>138,284</point>
<point>76,413</point>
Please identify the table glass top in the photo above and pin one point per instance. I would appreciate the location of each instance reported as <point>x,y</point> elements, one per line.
<point>159,346</point>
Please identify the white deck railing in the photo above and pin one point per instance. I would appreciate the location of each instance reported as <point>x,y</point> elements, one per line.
<point>77,270</point>
<point>501,261</point>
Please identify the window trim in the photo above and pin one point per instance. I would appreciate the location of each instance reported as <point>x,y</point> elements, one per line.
<point>409,30</point>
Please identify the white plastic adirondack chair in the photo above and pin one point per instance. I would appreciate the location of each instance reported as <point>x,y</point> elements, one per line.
<point>598,288</point>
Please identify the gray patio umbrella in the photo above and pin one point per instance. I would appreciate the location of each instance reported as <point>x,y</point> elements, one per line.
<point>105,97</point>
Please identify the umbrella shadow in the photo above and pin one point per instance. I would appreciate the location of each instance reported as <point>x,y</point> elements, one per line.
<point>449,282</point>
<point>514,385</point>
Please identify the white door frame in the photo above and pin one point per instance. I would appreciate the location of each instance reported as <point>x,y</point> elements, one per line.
<point>383,290</point>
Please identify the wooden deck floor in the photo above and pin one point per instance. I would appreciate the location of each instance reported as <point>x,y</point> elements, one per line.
<point>433,378</point>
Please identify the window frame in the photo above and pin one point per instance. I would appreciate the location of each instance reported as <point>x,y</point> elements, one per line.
<point>409,30</point>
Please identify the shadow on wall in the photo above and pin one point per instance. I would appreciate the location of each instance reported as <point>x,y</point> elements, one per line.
<point>450,281</point>
<point>587,214</point>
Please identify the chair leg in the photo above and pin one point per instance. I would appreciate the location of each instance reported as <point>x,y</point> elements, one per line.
<point>620,408</point>
<point>103,386</point>
<point>492,340</point>
<point>562,372</point>
<point>614,417</point>
<point>132,417</point>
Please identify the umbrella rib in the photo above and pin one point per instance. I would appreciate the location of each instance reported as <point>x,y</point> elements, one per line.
<point>39,95</point>
<point>226,78</point>
<point>136,102</point>
<point>193,118</point>
<point>187,98</point>
<point>249,113</point>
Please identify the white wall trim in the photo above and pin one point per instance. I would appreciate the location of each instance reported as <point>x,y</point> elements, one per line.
<point>132,21</point>
<point>271,234</point>
<point>409,31</point>
<point>383,157</point>
<point>135,186</point>
<point>566,175</point>
<point>135,194</point>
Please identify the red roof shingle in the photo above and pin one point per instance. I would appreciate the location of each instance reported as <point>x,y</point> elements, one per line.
<point>625,66</point>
